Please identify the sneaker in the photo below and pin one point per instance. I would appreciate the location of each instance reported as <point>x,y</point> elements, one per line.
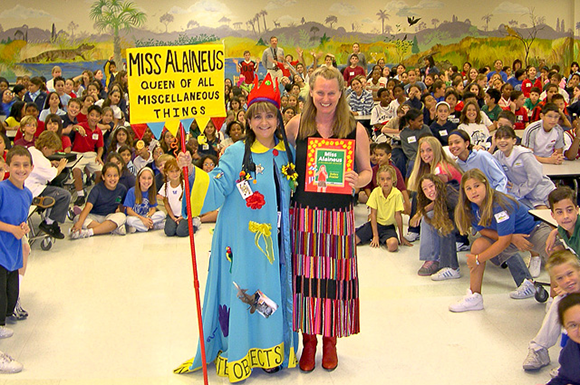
<point>525,290</point>
<point>196,224</point>
<point>412,236</point>
<point>130,229</point>
<point>19,313</point>
<point>428,268</point>
<point>536,359</point>
<point>9,364</point>
<point>78,234</point>
<point>445,274</point>
<point>43,202</point>
<point>52,230</point>
<point>460,246</point>
<point>80,201</point>
<point>121,230</point>
<point>535,266</point>
<point>5,332</point>
<point>471,302</point>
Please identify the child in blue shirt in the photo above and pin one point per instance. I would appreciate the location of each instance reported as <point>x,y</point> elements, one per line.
<point>505,227</point>
<point>141,204</point>
<point>15,201</point>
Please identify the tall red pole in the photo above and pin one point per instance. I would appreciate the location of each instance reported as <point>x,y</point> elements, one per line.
<point>193,259</point>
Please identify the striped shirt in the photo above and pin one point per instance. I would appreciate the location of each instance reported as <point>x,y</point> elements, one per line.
<point>362,104</point>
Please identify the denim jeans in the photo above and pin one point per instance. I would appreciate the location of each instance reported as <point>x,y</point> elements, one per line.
<point>435,247</point>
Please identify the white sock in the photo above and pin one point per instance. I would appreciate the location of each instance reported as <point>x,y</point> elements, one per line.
<point>90,232</point>
<point>49,221</point>
<point>20,278</point>
<point>81,193</point>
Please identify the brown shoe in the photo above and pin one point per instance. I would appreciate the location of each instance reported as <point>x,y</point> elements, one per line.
<point>329,357</point>
<point>307,359</point>
<point>43,202</point>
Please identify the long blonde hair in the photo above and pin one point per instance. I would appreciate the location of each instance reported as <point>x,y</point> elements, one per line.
<point>463,212</point>
<point>421,168</point>
<point>343,120</point>
<point>440,220</point>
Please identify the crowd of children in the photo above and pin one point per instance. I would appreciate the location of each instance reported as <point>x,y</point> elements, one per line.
<point>446,152</point>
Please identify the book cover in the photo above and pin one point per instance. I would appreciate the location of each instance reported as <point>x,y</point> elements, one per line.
<point>327,162</point>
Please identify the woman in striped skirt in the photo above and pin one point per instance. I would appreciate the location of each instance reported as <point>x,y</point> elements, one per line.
<point>323,235</point>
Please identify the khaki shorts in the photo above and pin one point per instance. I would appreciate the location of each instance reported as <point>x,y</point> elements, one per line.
<point>88,160</point>
<point>117,218</point>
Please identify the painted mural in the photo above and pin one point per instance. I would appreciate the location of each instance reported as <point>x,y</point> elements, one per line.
<point>34,36</point>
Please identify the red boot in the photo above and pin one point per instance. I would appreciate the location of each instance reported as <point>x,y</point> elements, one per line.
<point>307,359</point>
<point>329,357</point>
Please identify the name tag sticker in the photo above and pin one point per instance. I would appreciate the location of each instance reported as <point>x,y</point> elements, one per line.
<point>518,163</point>
<point>443,132</point>
<point>95,136</point>
<point>411,139</point>
<point>502,216</point>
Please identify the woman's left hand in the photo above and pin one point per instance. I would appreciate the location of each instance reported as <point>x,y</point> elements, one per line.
<point>351,177</point>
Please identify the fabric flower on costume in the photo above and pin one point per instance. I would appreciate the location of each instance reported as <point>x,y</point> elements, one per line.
<point>289,171</point>
<point>263,231</point>
<point>255,201</point>
<point>224,319</point>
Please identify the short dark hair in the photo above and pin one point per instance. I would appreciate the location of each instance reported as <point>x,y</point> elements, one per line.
<point>566,303</point>
<point>385,147</point>
<point>560,194</point>
<point>515,94</point>
<point>507,114</point>
<point>494,94</point>
<point>18,151</point>
<point>94,107</point>
<point>380,91</point>
<point>535,89</point>
<point>557,97</point>
<point>550,107</point>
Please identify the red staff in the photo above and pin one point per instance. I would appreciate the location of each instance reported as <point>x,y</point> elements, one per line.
<point>193,259</point>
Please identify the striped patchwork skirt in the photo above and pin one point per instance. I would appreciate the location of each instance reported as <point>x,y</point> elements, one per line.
<point>325,284</point>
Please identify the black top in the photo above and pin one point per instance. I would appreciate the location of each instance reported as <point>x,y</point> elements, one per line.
<point>317,200</point>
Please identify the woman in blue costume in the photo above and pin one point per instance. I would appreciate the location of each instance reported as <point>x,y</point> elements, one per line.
<point>247,310</point>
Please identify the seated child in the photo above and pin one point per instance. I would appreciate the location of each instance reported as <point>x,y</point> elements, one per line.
<point>141,204</point>
<point>545,137</point>
<point>386,204</point>
<point>127,155</point>
<point>564,269</point>
<point>53,123</point>
<point>28,126</point>
<point>127,179</point>
<point>172,194</point>
<point>569,316</point>
<point>47,144</point>
<point>103,212</point>
<point>442,127</point>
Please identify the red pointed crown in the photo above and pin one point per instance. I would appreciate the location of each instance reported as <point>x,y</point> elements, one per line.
<point>266,92</point>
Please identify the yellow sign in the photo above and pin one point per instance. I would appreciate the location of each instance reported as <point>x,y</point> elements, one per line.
<point>174,83</point>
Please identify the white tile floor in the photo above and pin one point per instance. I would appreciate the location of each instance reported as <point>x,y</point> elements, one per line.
<point>120,310</point>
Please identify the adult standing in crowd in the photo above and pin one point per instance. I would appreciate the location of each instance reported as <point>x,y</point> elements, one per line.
<point>271,57</point>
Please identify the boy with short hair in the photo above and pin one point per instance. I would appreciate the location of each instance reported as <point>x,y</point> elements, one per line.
<point>545,137</point>
<point>15,201</point>
<point>491,107</point>
<point>517,107</point>
<point>353,70</point>
<point>565,119</point>
<point>533,99</point>
<point>69,120</point>
<point>248,68</point>
<point>380,114</point>
<point>386,205</point>
<point>564,269</point>
<point>88,141</point>
<point>382,152</point>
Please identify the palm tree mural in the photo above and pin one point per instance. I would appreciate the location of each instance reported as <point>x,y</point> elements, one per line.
<point>382,17</point>
<point>251,23</point>
<point>264,13</point>
<point>257,20</point>
<point>434,22</point>
<point>192,24</point>
<point>116,16</point>
<point>487,19</point>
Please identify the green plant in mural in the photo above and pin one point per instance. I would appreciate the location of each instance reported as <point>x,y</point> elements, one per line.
<point>402,46</point>
<point>181,40</point>
<point>116,16</point>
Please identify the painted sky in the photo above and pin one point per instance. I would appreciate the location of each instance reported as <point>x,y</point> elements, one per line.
<point>350,14</point>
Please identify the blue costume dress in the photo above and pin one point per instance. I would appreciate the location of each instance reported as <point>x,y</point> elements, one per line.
<point>248,250</point>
